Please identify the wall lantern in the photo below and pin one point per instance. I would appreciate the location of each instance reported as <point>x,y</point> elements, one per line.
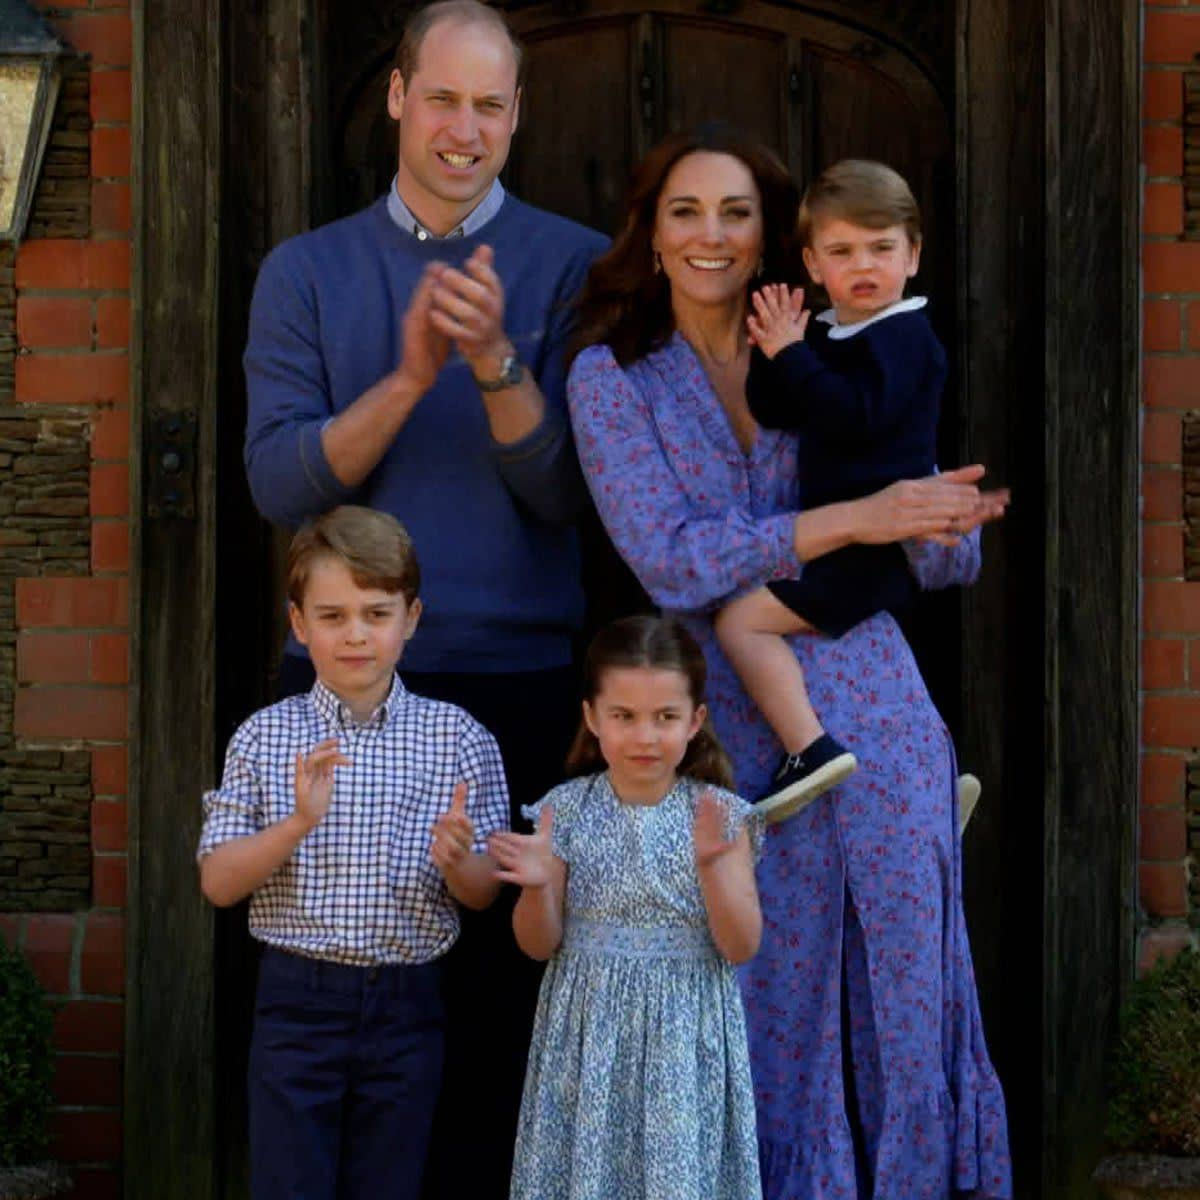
<point>30,72</point>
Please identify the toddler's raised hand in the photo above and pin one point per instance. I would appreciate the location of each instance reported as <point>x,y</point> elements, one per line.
<point>314,780</point>
<point>453,832</point>
<point>526,859</point>
<point>708,830</point>
<point>779,318</point>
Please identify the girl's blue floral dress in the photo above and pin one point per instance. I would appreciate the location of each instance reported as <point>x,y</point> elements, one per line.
<point>638,1086</point>
<point>865,970</point>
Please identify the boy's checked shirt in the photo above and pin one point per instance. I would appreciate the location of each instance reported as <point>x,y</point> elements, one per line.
<point>361,887</point>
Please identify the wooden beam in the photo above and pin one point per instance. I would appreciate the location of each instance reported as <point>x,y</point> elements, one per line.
<point>1091,629</point>
<point>1000,220</point>
<point>169,1150</point>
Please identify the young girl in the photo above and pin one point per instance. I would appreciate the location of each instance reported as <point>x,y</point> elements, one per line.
<point>639,888</point>
<point>862,384</point>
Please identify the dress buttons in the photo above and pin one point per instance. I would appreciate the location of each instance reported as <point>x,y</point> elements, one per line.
<point>422,235</point>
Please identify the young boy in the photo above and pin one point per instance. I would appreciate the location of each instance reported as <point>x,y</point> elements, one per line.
<point>863,389</point>
<point>354,816</point>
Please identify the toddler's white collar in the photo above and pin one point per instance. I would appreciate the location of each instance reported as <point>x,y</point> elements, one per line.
<point>839,332</point>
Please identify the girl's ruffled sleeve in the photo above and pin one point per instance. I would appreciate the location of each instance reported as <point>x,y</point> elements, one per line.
<point>740,815</point>
<point>687,557</point>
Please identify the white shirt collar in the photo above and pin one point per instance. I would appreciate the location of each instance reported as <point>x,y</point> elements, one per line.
<point>335,710</point>
<point>475,220</point>
<point>838,332</point>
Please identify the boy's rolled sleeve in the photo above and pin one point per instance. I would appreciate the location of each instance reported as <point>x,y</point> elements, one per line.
<point>234,810</point>
<point>481,766</point>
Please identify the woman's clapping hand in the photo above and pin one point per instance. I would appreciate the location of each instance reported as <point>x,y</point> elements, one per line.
<point>940,507</point>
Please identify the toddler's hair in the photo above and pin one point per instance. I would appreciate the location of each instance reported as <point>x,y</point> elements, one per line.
<point>374,546</point>
<point>862,192</point>
<point>660,643</point>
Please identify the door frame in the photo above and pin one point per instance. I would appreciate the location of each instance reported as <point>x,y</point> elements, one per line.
<point>1047,157</point>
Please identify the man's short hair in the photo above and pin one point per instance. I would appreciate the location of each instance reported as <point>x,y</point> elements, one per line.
<point>374,546</point>
<point>465,12</point>
<point>863,193</point>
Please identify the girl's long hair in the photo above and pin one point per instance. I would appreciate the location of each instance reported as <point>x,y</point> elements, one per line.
<point>625,303</point>
<point>660,643</point>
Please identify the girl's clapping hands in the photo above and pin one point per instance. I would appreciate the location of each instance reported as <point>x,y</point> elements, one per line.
<point>526,859</point>
<point>708,831</point>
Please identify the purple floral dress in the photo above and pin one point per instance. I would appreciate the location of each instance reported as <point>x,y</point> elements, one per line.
<point>861,891</point>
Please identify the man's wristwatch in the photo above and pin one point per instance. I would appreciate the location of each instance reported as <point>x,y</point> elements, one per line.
<point>511,372</point>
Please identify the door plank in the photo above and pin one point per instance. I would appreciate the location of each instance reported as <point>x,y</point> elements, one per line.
<point>169,1011</point>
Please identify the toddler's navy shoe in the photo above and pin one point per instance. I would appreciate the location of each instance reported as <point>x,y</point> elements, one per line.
<point>801,778</point>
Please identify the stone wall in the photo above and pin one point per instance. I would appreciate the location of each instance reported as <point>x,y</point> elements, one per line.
<point>45,795</point>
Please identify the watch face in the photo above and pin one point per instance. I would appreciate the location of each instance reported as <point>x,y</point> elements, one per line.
<point>511,373</point>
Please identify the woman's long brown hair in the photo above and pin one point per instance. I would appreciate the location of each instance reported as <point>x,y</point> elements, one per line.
<point>625,303</point>
<point>663,644</point>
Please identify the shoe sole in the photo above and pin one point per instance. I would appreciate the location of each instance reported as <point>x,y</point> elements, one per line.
<point>967,790</point>
<point>800,795</point>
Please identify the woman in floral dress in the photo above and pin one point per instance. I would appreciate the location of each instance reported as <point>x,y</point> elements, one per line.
<point>872,1078</point>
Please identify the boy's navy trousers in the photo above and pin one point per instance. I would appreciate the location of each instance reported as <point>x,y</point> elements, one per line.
<point>345,1068</point>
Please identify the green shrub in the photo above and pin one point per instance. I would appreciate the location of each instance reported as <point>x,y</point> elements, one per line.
<point>25,1063</point>
<point>1154,1105</point>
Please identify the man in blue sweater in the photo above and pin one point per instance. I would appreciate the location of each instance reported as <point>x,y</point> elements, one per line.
<point>411,358</point>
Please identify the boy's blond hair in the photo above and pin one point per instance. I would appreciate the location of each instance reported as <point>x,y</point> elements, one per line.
<point>864,193</point>
<point>374,546</point>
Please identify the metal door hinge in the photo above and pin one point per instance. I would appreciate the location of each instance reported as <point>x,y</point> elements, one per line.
<point>171,464</point>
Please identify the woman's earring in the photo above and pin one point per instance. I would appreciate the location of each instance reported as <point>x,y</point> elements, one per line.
<point>762,262</point>
<point>657,262</point>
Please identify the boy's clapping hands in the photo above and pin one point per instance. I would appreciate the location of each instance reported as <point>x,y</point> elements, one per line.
<point>314,780</point>
<point>453,833</point>
<point>779,318</point>
<point>472,879</point>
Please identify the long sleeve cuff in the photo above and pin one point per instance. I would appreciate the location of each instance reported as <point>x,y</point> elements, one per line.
<point>781,532</point>
<point>327,489</point>
<point>541,469</point>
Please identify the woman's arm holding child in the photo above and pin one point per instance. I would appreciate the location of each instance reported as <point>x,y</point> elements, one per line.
<point>234,869</point>
<point>726,871</point>
<point>529,861</point>
<point>470,878</point>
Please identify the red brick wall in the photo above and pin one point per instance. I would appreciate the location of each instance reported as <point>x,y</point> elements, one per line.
<point>1171,387</point>
<point>73,632</point>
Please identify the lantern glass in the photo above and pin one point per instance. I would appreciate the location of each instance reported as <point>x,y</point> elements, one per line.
<point>20,81</point>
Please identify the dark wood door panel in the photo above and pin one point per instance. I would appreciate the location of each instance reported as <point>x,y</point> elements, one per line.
<point>574,146</point>
<point>722,72</point>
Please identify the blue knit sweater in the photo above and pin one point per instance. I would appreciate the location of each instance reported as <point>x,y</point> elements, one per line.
<point>492,524</point>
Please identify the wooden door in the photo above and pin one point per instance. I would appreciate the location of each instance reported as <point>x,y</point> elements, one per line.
<point>609,78</point>
<point>264,117</point>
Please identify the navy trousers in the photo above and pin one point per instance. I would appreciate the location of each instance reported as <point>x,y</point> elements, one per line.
<point>491,988</point>
<point>345,1068</point>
